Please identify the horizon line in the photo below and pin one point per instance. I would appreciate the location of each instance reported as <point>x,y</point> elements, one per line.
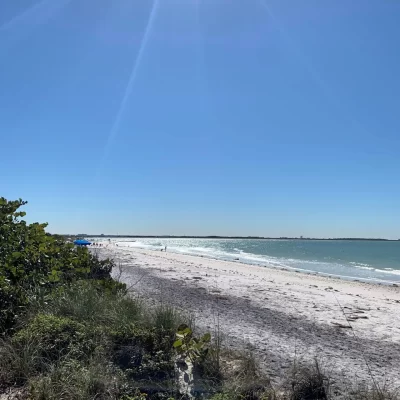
<point>226,237</point>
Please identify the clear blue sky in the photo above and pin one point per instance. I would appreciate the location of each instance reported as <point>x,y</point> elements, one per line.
<point>231,117</point>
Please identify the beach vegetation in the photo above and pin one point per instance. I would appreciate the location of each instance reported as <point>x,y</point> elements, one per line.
<point>69,331</point>
<point>308,382</point>
<point>33,263</point>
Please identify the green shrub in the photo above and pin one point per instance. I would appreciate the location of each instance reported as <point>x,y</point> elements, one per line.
<point>141,350</point>
<point>55,337</point>
<point>30,257</point>
<point>72,380</point>
<point>89,302</point>
<point>80,301</point>
<point>110,286</point>
<point>13,299</point>
<point>18,364</point>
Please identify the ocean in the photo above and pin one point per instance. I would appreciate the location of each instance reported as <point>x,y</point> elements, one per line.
<point>367,260</point>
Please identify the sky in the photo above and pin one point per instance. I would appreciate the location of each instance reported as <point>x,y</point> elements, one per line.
<point>203,117</point>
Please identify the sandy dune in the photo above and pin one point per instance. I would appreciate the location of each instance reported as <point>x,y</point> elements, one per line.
<point>279,314</point>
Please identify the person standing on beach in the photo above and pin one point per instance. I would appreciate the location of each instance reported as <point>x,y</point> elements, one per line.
<point>165,249</point>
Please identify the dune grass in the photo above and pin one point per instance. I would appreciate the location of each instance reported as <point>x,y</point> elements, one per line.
<point>84,342</point>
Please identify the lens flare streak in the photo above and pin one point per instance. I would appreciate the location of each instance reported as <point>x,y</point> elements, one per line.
<point>131,81</point>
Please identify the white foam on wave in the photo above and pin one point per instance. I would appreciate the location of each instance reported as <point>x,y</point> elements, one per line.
<point>202,249</point>
<point>192,250</point>
<point>393,271</point>
<point>367,268</point>
<point>255,258</point>
<point>358,264</point>
<point>378,270</point>
<point>137,244</point>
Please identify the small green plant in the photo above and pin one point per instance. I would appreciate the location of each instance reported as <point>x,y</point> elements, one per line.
<point>166,318</point>
<point>309,382</point>
<point>190,347</point>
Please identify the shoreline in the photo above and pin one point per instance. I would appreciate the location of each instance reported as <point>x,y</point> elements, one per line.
<point>279,314</point>
<point>300,271</point>
<point>270,267</point>
<point>372,281</point>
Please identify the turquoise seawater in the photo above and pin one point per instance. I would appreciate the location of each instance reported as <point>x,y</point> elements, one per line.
<point>364,260</point>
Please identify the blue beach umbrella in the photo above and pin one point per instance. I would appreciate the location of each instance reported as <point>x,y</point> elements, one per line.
<point>82,242</point>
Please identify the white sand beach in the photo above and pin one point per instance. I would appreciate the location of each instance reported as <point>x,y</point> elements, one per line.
<point>281,315</point>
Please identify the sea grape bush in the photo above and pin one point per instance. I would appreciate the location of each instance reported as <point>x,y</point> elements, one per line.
<point>190,347</point>
<point>31,258</point>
